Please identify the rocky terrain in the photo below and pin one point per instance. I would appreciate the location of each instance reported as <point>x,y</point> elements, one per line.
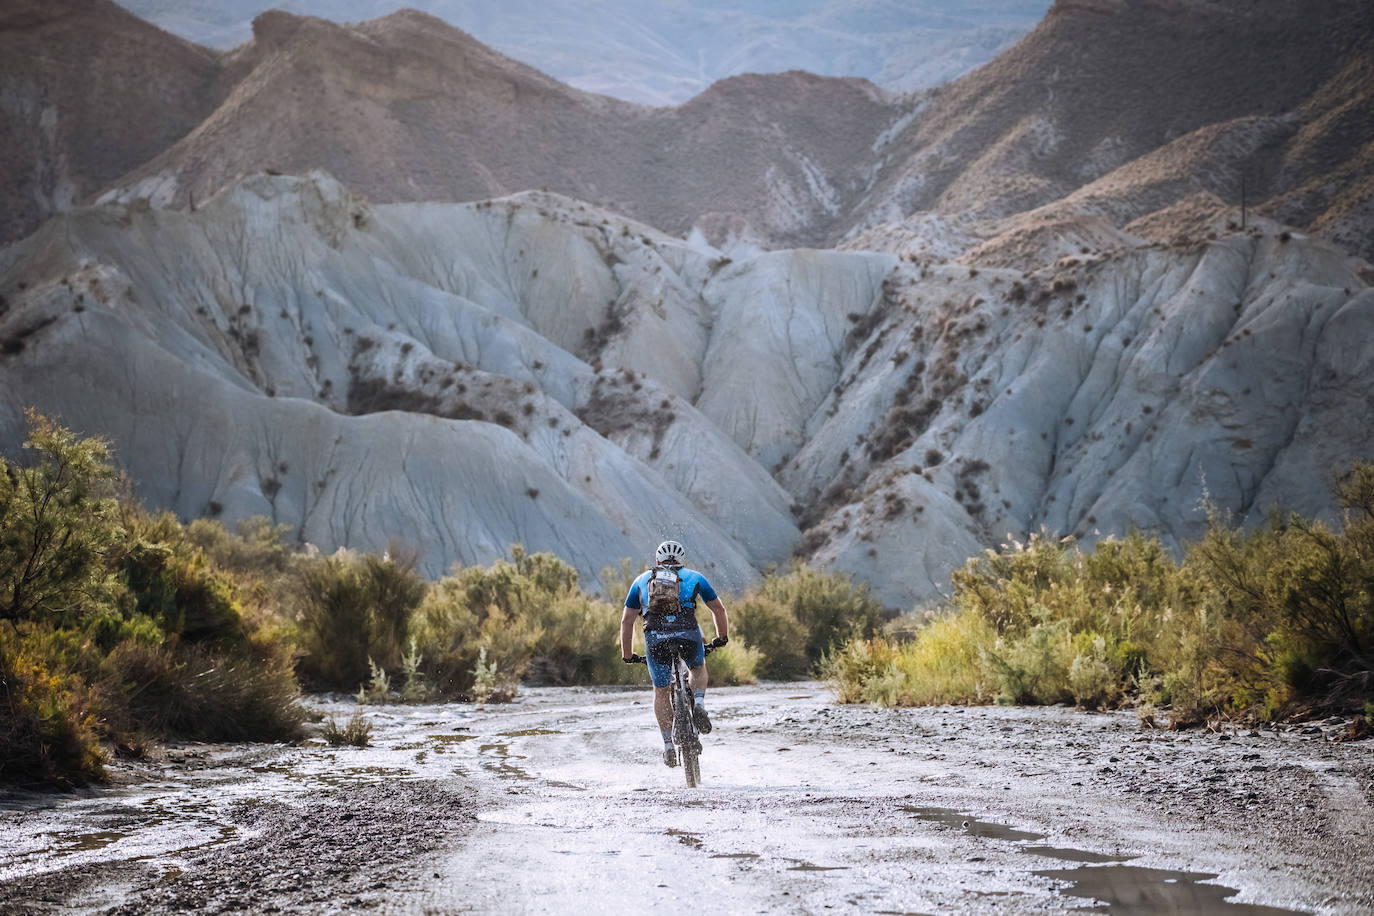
<point>1044,312</point>
<point>805,806</point>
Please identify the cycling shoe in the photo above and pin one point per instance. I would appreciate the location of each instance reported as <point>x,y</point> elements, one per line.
<point>670,756</point>
<point>701,720</point>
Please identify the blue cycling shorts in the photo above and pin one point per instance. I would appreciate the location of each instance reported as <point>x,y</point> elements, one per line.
<point>658,652</point>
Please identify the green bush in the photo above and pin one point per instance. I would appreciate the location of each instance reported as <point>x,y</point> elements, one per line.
<point>770,628</point>
<point>48,717</point>
<point>944,661</point>
<point>355,608</point>
<point>733,664</point>
<point>357,731</point>
<point>862,671</point>
<point>1262,623</point>
<point>114,626</point>
<point>58,528</point>
<point>828,607</point>
<point>452,635</point>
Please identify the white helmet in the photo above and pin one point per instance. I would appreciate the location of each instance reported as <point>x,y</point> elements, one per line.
<point>670,552</point>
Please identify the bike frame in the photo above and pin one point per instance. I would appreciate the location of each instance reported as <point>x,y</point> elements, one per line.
<point>685,734</point>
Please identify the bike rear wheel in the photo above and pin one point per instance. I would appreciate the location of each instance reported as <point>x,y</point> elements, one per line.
<point>684,730</point>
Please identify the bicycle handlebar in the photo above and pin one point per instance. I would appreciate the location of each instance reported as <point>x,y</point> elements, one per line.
<point>637,659</point>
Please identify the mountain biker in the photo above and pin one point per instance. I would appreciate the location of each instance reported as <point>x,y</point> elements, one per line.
<point>661,634</point>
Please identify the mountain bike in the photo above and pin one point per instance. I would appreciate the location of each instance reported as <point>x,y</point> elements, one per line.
<point>685,735</point>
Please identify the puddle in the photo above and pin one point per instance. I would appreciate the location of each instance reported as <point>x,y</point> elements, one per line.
<point>502,765</point>
<point>88,841</point>
<point>1128,889</point>
<point>970,825</point>
<point>1074,855</point>
<point>690,840</point>
<point>528,732</point>
<point>735,855</point>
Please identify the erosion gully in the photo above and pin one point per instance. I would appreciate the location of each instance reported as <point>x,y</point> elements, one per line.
<point>559,803</point>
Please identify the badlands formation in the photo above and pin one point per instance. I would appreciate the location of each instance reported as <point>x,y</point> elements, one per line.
<point>458,377</point>
<point>1034,307</point>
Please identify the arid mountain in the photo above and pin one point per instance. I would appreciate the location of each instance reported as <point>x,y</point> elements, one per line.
<point>88,92</point>
<point>662,54</point>
<point>408,108</point>
<point>1112,110</point>
<point>1112,123</point>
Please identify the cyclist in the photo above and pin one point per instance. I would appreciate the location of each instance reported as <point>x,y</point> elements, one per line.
<point>680,629</point>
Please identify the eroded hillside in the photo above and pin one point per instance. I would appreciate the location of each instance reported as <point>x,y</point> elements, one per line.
<point>462,376</point>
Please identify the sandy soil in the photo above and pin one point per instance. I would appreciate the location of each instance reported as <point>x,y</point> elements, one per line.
<point>559,803</point>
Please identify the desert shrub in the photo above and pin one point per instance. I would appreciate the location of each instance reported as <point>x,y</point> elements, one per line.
<point>185,597</point>
<point>828,606</point>
<point>944,660</point>
<point>733,664</point>
<point>58,526</point>
<point>1269,622</point>
<point>1296,600</point>
<point>580,643</point>
<point>452,634</point>
<point>771,629</point>
<point>860,669</point>
<point>357,731</point>
<point>355,608</point>
<point>489,683</point>
<point>377,688</point>
<point>256,547</point>
<point>114,626</point>
<point>48,720</point>
<point>532,618</point>
<point>1033,667</point>
<point>194,692</point>
<point>616,580</point>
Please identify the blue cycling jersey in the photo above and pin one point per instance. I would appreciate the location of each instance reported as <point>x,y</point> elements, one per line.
<point>690,584</point>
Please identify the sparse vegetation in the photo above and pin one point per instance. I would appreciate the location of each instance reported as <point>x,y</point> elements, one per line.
<point>1269,623</point>
<point>356,732</point>
<point>114,626</point>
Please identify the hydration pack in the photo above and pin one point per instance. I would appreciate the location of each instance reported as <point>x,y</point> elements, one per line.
<point>662,605</point>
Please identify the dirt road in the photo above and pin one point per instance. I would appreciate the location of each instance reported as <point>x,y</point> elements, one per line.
<point>559,803</point>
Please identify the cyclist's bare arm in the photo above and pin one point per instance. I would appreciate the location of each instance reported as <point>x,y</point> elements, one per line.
<point>718,614</point>
<point>627,631</point>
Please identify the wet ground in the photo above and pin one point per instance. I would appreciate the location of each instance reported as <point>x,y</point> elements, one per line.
<point>559,803</point>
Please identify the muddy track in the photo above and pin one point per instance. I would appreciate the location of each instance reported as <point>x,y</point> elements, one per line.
<point>559,803</point>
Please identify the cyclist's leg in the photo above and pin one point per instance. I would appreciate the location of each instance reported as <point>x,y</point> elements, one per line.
<point>694,653</point>
<point>660,661</point>
<point>663,709</point>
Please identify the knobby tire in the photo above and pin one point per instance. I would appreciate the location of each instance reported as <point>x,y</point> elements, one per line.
<point>685,729</point>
